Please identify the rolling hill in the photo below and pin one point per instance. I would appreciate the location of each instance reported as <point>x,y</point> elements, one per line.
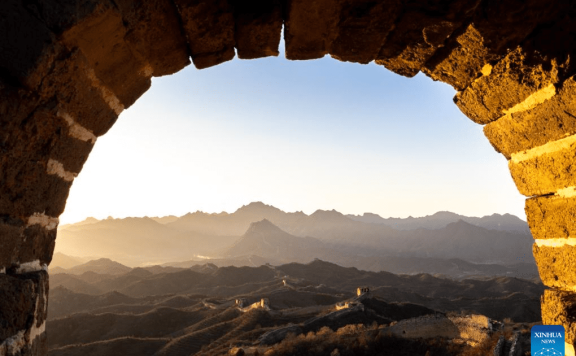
<point>207,310</point>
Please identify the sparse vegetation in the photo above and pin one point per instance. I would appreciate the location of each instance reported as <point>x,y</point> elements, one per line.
<point>200,316</point>
<point>360,340</point>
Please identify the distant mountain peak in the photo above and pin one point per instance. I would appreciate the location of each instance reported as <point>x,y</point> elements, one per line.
<point>461,224</point>
<point>101,266</point>
<point>444,213</point>
<point>257,207</point>
<point>263,225</point>
<point>327,213</point>
<point>371,215</point>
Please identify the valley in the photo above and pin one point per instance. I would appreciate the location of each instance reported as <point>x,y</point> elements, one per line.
<point>261,281</point>
<point>205,309</point>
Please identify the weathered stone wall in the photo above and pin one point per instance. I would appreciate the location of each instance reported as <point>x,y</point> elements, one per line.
<point>69,68</point>
<point>472,329</point>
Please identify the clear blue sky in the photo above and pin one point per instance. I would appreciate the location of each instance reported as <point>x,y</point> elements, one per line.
<point>302,135</point>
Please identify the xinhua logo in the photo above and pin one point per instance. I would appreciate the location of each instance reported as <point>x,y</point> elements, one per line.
<point>547,340</point>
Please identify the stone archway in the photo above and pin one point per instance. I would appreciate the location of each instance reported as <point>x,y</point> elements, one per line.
<point>68,69</point>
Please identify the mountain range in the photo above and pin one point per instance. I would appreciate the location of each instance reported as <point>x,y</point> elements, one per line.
<point>237,223</point>
<point>267,234</point>
<point>506,222</point>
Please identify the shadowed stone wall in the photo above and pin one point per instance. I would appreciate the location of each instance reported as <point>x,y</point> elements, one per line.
<point>69,68</point>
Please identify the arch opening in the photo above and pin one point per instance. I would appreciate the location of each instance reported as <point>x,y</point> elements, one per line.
<point>183,118</point>
<point>322,159</point>
<point>68,71</point>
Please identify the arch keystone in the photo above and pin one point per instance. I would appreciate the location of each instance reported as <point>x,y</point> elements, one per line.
<point>310,28</point>
<point>363,28</point>
<point>209,26</point>
<point>258,26</point>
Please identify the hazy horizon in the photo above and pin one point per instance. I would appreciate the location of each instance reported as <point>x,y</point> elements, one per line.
<point>286,211</point>
<point>275,235</point>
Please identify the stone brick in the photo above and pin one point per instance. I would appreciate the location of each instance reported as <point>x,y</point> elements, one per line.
<point>17,304</point>
<point>310,27</point>
<point>496,27</point>
<point>420,31</point>
<point>100,36</point>
<point>552,120</point>
<point>31,137</point>
<point>71,83</point>
<point>461,61</point>
<point>559,308</point>
<point>26,146</point>
<point>22,302</point>
<point>15,105</point>
<point>22,244</point>
<point>11,230</point>
<point>26,188</point>
<point>556,265</point>
<point>71,152</point>
<point>27,47</point>
<point>546,173</point>
<point>512,80</point>
<point>41,136</point>
<point>61,15</point>
<point>209,26</point>
<point>154,33</point>
<point>38,244</point>
<point>258,27</point>
<point>551,217</point>
<point>96,27</point>
<point>363,28</point>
